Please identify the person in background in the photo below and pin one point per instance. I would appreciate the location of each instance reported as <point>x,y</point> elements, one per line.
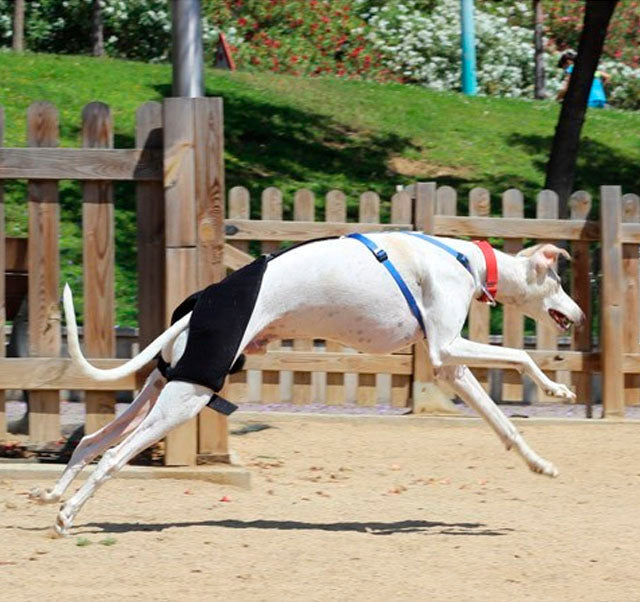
<point>597,94</point>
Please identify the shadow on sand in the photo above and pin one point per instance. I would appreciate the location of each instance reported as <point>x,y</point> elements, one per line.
<point>373,528</point>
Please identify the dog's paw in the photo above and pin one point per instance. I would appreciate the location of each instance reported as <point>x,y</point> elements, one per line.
<point>561,391</point>
<point>544,467</point>
<point>43,496</point>
<point>62,524</point>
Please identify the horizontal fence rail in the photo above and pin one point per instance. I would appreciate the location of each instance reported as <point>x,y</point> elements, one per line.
<point>80,164</point>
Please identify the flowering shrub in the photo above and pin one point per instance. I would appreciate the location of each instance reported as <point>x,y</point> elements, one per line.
<point>425,49</point>
<point>563,22</point>
<point>300,37</point>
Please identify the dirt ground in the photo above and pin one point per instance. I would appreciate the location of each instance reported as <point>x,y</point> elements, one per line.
<point>360,509</point>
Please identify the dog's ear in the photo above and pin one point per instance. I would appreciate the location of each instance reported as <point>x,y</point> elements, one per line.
<point>544,256</point>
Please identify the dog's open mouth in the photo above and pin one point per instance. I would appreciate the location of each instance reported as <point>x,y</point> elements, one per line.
<point>560,319</point>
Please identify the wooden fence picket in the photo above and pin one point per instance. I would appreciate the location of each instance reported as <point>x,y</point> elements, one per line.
<point>479,314</point>
<point>335,211</point>
<point>512,320</point>
<point>271,210</point>
<point>546,336</point>
<point>369,213</point>
<point>239,208</point>
<point>401,213</point>
<point>303,211</point>
<point>98,263</point>
<point>631,214</point>
<point>44,273</point>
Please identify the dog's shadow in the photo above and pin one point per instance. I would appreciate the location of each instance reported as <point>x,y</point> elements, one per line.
<point>372,528</point>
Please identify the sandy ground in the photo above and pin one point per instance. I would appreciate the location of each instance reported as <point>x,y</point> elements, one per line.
<point>360,509</point>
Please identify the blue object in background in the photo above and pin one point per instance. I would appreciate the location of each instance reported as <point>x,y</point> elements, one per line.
<point>597,95</point>
<point>469,82</point>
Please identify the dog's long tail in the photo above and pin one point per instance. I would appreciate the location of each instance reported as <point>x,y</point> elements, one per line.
<point>133,365</point>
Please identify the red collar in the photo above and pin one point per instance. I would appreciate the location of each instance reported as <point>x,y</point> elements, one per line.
<point>490,288</point>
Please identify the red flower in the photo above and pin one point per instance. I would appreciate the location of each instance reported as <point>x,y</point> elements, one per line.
<point>242,21</point>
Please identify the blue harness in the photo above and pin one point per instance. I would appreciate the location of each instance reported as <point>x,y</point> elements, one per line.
<point>381,255</point>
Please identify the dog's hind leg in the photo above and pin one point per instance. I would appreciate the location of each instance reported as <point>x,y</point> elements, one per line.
<point>471,391</point>
<point>96,443</point>
<point>178,402</point>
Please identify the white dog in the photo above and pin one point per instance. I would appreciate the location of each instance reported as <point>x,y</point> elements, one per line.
<point>335,289</point>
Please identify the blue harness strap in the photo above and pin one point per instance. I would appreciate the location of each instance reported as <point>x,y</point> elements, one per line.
<point>381,256</point>
<point>461,257</point>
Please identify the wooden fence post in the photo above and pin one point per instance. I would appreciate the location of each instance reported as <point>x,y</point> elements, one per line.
<point>612,335</point>
<point>580,203</point>
<point>3,416</point>
<point>213,431</point>
<point>181,444</point>
<point>44,273</point>
<point>99,264</point>
<point>150,232</point>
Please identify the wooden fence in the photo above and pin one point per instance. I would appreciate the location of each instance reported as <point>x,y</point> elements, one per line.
<point>178,171</point>
<point>185,243</point>
<point>326,373</point>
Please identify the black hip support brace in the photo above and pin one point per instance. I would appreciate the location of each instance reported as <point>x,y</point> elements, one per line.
<point>220,316</point>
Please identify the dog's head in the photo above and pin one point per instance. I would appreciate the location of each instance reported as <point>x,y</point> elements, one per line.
<point>545,300</point>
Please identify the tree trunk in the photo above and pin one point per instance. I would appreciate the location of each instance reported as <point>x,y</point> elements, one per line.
<point>97,33</point>
<point>17,42</point>
<point>564,151</point>
<point>540,85</point>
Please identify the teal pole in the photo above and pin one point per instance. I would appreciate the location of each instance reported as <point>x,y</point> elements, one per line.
<point>469,82</point>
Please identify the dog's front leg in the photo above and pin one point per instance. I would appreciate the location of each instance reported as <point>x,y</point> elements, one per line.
<point>480,355</point>
<point>96,443</point>
<point>471,391</point>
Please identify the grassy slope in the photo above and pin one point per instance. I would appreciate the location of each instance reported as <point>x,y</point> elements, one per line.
<point>319,133</point>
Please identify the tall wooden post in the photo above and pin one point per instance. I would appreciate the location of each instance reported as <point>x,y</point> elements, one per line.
<point>44,273</point>
<point>99,264</point>
<point>612,341</point>
<point>194,241</point>
<point>180,241</point>
<point>210,197</point>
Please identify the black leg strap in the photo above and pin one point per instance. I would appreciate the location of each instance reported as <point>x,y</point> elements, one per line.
<point>220,404</point>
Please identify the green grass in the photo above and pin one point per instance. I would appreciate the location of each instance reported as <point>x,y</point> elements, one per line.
<point>320,133</point>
